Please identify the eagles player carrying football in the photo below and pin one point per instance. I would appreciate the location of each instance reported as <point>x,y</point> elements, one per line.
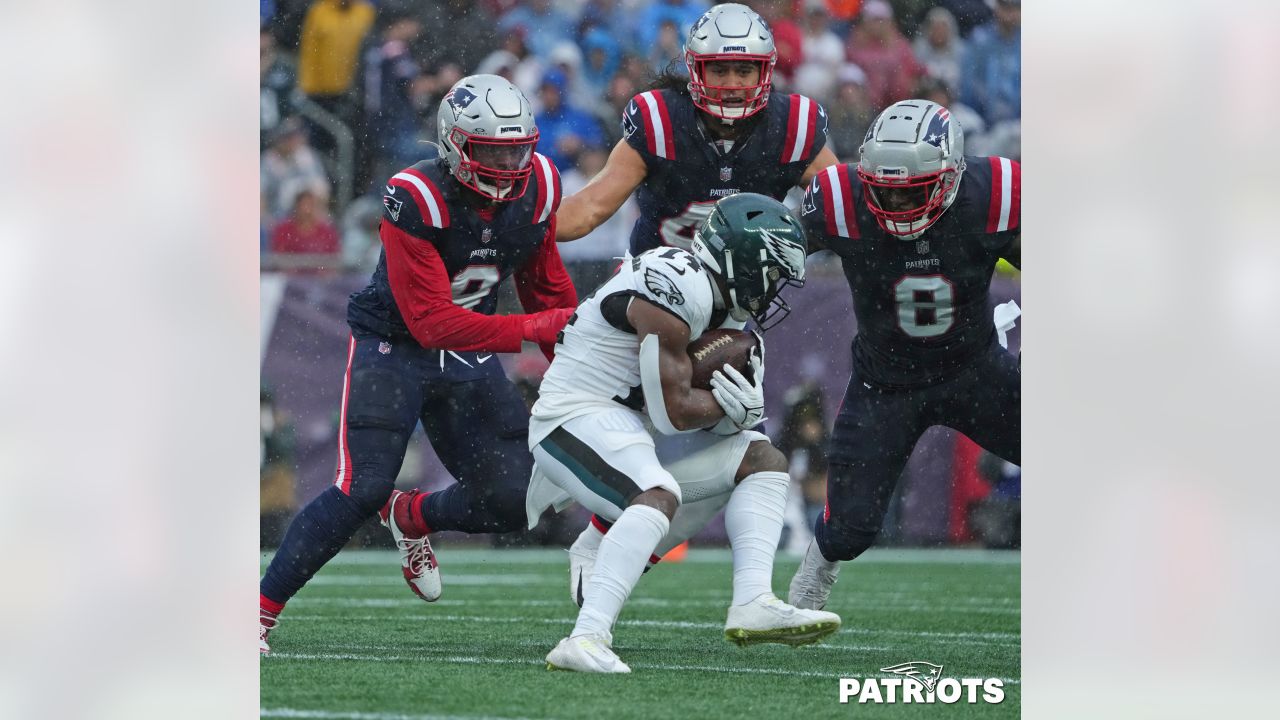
<point>618,427</point>
<point>422,337</point>
<point>919,228</point>
<point>691,141</point>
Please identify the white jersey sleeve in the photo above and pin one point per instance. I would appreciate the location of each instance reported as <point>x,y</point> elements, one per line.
<point>675,281</point>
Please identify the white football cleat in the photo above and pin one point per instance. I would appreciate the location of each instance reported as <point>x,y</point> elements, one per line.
<point>417,561</point>
<point>769,620</point>
<point>266,624</point>
<point>582,563</point>
<point>811,585</point>
<point>586,653</point>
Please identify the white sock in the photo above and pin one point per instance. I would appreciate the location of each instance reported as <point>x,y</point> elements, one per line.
<point>754,523</point>
<point>622,557</point>
<point>589,538</point>
<point>690,518</point>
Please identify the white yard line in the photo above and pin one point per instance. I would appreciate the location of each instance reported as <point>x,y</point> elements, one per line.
<point>473,660</point>
<point>957,607</point>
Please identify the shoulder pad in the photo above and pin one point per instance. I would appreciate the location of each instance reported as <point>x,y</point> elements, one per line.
<point>427,202</point>
<point>806,129</point>
<point>829,203</point>
<point>677,284</point>
<point>646,125</point>
<point>546,178</point>
<point>1004,205</point>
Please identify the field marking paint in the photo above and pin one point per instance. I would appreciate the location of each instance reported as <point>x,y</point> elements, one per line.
<point>543,556</point>
<point>338,715</point>
<point>473,660</point>
<point>645,602</point>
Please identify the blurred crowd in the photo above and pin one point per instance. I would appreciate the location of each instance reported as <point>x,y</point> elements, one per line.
<point>349,90</point>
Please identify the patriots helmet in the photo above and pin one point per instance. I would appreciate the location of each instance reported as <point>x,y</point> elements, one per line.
<point>487,136</point>
<point>910,164</point>
<point>730,32</point>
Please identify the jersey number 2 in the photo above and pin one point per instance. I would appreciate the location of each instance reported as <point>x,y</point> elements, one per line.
<point>473,283</point>
<point>925,305</point>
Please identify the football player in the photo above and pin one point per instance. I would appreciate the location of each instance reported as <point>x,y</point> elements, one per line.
<point>423,334</point>
<point>618,427</point>
<point>691,141</point>
<point>919,227</point>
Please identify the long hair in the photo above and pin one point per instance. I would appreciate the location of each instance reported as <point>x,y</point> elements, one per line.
<point>673,77</point>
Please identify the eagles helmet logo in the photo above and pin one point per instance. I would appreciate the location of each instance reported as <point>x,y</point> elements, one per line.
<point>790,254</point>
<point>662,287</point>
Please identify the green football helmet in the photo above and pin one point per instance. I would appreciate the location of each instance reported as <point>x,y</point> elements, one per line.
<point>758,247</point>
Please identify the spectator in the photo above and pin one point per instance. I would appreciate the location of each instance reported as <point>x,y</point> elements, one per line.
<point>307,230</point>
<point>991,79</point>
<point>545,26</point>
<point>823,56</point>
<point>390,79</point>
<point>850,113</point>
<point>804,441</point>
<point>459,32</point>
<point>603,56</point>
<point>275,83</point>
<point>288,164</point>
<point>843,13</point>
<point>682,14</point>
<point>939,47</point>
<point>787,37</point>
<point>878,47</point>
<point>361,245</point>
<point>668,47</point>
<point>608,16</point>
<point>564,130</point>
<point>969,14</point>
<point>593,259</point>
<point>329,50</point>
<point>620,91</point>
<point>567,58</point>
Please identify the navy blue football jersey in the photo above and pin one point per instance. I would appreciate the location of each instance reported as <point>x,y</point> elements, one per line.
<point>427,203</point>
<point>923,306</point>
<point>688,173</point>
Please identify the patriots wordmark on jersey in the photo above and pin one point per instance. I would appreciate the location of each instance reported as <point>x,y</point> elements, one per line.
<point>923,305</point>
<point>687,173</point>
<point>436,247</point>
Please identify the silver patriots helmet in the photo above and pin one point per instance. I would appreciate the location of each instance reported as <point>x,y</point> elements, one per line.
<point>730,33</point>
<point>910,164</point>
<point>487,136</point>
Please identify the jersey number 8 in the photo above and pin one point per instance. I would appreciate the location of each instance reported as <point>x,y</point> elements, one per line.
<point>925,305</point>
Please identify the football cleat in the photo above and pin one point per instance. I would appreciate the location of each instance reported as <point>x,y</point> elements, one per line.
<point>586,653</point>
<point>769,620</point>
<point>582,563</point>
<point>417,561</point>
<point>266,623</point>
<point>811,585</point>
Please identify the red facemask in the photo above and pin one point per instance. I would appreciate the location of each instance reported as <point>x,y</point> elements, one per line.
<point>708,97</point>
<point>498,168</point>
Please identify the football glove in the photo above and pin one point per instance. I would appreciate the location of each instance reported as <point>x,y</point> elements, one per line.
<point>741,399</point>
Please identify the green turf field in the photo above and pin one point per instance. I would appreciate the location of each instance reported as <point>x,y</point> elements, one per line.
<point>357,644</point>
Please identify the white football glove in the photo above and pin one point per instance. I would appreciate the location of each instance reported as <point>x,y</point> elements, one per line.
<point>741,399</point>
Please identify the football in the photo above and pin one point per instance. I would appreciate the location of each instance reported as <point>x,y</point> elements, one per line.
<point>716,348</point>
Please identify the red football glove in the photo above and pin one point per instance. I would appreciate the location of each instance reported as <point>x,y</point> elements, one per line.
<point>542,328</point>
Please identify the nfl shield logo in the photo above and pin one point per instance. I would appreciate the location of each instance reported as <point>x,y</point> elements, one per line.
<point>486,235</point>
<point>384,347</point>
<point>726,174</point>
<point>922,247</point>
